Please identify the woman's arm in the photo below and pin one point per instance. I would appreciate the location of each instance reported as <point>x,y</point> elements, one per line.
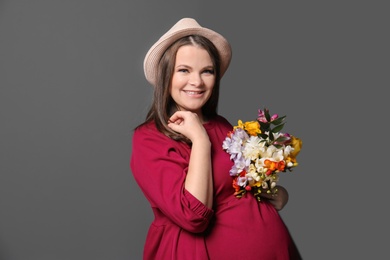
<point>199,180</point>
<point>160,165</point>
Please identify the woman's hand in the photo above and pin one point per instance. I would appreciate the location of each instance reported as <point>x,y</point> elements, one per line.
<point>278,200</point>
<point>188,124</point>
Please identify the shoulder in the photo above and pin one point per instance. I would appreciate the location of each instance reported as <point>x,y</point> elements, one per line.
<point>147,135</point>
<point>218,125</point>
<point>145,129</point>
<point>221,122</point>
<point>150,145</point>
<point>148,131</point>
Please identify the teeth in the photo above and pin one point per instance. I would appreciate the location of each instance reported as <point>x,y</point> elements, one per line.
<point>192,92</point>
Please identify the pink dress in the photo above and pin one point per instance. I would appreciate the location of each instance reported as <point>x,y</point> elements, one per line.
<point>184,228</point>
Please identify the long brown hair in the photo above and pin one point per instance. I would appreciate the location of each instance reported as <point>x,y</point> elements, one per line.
<point>163,106</point>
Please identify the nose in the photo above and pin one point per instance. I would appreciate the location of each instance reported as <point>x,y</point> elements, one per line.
<point>195,79</point>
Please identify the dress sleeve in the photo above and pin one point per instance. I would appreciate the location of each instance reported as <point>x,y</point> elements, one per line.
<point>159,166</point>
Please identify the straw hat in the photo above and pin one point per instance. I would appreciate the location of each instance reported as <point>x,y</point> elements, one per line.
<point>184,27</point>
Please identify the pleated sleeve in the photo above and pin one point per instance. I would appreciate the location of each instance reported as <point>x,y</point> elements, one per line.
<point>159,166</point>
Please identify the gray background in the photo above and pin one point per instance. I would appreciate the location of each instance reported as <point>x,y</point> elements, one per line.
<point>72,89</point>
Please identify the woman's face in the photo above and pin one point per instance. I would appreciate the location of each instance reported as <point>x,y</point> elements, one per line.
<point>193,79</point>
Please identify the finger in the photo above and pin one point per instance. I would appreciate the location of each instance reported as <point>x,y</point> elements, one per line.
<point>175,127</point>
<point>177,121</point>
<point>174,117</point>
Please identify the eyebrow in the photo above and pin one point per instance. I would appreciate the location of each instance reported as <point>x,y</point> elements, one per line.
<point>186,66</point>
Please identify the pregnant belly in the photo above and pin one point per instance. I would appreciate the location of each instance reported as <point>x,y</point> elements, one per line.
<point>246,229</point>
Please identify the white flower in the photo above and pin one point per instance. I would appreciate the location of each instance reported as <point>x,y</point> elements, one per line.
<point>287,150</point>
<point>268,151</point>
<point>253,173</point>
<point>259,164</point>
<point>234,144</point>
<point>252,147</point>
<point>277,156</point>
<point>242,181</point>
<point>240,163</point>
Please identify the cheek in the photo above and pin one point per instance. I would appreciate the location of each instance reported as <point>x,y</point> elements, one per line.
<point>178,81</point>
<point>210,84</point>
<point>209,81</point>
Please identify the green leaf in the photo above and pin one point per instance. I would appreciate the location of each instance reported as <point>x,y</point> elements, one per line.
<point>278,128</point>
<point>279,120</point>
<point>264,136</point>
<point>265,127</point>
<point>262,124</point>
<point>282,139</point>
<point>266,113</point>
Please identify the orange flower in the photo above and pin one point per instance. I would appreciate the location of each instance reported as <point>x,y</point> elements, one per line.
<point>281,165</point>
<point>270,165</point>
<point>274,166</point>
<point>234,184</point>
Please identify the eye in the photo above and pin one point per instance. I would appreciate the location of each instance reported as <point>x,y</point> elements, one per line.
<point>182,70</point>
<point>209,71</point>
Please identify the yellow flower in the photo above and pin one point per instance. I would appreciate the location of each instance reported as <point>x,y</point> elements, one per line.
<point>251,127</point>
<point>240,125</point>
<point>296,143</point>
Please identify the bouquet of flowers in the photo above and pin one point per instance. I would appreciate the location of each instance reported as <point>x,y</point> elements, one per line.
<point>260,152</point>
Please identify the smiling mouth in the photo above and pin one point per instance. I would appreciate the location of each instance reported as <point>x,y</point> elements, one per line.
<point>193,92</point>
